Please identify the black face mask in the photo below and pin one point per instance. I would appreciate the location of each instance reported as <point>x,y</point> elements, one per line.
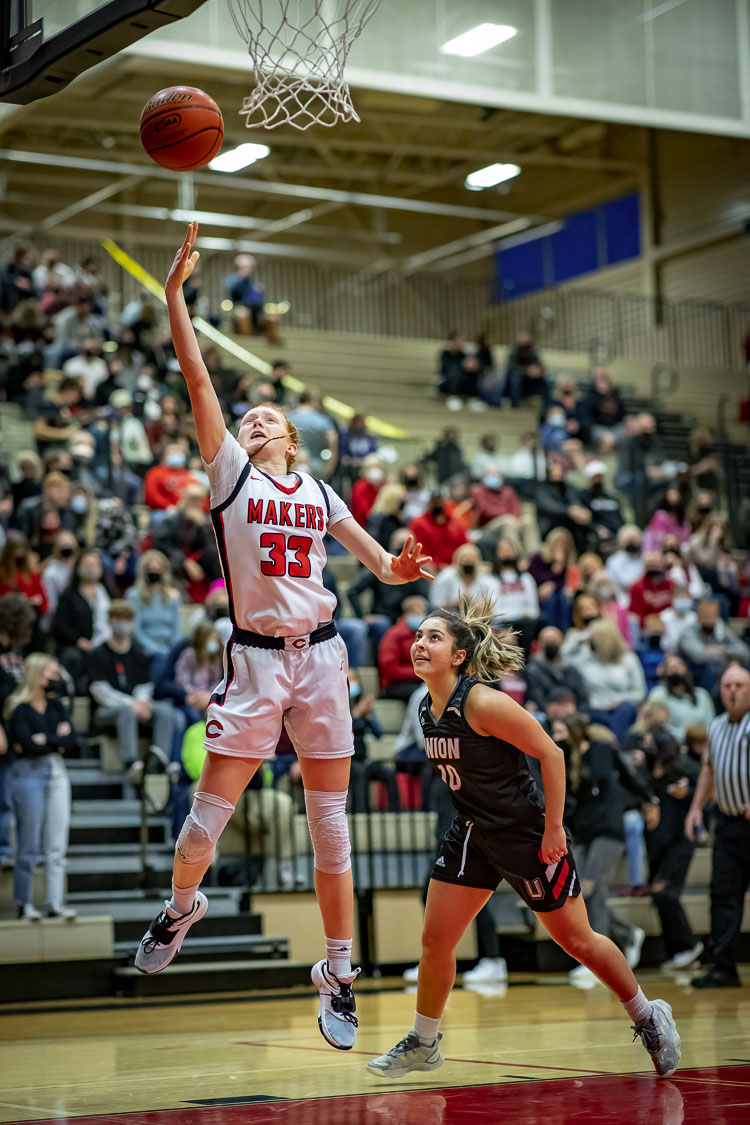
<point>551,651</point>
<point>588,621</point>
<point>218,612</point>
<point>675,680</point>
<point>655,573</point>
<point>20,560</point>
<point>436,509</point>
<point>55,687</point>
<point>468,569</point>
<point>632,549</point>
<point>66,552</point>
<point>411,482</point>
<point>508,564</point>
<point>704,511</point>
<point>153,576</point>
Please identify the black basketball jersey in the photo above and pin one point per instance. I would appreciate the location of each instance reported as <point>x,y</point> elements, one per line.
<point>488,777</point>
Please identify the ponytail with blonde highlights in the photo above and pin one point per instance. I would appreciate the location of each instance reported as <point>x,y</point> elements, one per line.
<point>489,654</point>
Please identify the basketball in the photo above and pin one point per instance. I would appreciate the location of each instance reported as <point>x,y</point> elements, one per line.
<point>181,128</point>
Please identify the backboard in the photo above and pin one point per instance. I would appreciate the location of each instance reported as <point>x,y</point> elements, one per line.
<point>45,44</point>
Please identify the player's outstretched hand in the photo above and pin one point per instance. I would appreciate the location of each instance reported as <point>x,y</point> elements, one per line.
<point>184,262</point>
<point>408,565</point>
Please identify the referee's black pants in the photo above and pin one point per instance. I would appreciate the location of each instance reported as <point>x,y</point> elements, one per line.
<point>730,878</point>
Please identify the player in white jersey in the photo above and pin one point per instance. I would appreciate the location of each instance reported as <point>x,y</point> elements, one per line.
<point>285,662</point>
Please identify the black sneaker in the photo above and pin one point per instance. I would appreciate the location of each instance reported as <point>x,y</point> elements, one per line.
<point>165,935</point>
<point>717,978</point>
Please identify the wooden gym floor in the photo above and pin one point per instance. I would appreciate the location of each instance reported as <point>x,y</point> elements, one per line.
<point>537,1053</point>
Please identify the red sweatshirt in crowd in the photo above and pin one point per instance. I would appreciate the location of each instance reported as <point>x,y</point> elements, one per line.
<point>649,595</point>
<point>163,486</point>
<point>439,536</point>
<point>394,655</point>
<point>363,498</point>
<point>31,587</point>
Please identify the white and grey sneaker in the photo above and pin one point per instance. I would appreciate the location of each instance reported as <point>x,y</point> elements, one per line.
<point>406,1056</point>
<point>336,1018</point>
<point>633,949</point>
<point>488,970</point>
<point>411,975</point>
<point>685,958</point>
<point>165,936</point>
<point>660,1037</point>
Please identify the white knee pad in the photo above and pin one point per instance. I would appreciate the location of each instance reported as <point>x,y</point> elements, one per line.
<point>329,831</point>
<point>203,825</point>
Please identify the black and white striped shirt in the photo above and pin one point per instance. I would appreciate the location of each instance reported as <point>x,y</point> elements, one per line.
<point>730,758</point>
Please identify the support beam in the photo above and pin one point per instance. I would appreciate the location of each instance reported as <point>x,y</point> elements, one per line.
<point>262,187</point>
<point>447,249</point>
<point>87,202</point>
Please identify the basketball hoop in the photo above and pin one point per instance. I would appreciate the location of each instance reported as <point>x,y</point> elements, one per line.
<point>299,61</point>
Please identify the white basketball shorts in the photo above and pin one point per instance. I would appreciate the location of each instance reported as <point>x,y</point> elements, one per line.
<point>302,685</point>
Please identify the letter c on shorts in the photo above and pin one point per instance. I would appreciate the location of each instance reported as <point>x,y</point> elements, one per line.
<point>299,643</point>
<point>214,728</point>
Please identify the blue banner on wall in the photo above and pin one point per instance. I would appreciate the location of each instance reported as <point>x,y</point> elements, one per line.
<point>588,241</point>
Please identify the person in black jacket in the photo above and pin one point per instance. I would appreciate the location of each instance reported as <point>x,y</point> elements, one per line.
<point>40,733</point>
<point>446,455</point>
<point>81,621</point>
<point>385,605</point>
<point>559,504</point>
<point>595,805</point>
<point>545,674</point>
<point>606,513</point>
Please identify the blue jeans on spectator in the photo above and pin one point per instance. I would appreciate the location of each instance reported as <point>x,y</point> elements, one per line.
<point>635,847</point>
<point>40,791</point>
<point>618,719</point>
<point>6,850</point>
<point>557,611</point>
<point>353,632</point>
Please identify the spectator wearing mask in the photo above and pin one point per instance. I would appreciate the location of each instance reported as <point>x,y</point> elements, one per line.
<point>415,496</point>
<point>457,372</point>
<point>55,416</point>
<point>686,703</point>
<point>495,500</point>
<point>589,567</point>
<point>463,579</point>
<point>366,488</point>
<point>16,280</point>
<point>156,605</point>
<point>669,521</point>
<point>709,549</point>
<point>447,456</point>
<point>653,592</point>
<point>604,407</point>
<point>29,484</point>
<point>710,643</point>
<point>73,326</point>
<point>282,396</point>
<point>528,463</point>
<point>626,565</point>
<point>397,676</point>
<point>702,460</point>
<point>677,617</point>
<point>724,774</point>
<point>603,588</point>
<point>52,274</point>
<point>19,573</point>
<point>559,505</point>
<point>681,571</point>
<point>517,597</point>
<point>551,570</point>
<point>553,432</point>
<point>640,464</point>
<point>385,603</point>
<point>116,539</point>
<point>81,620</point>
<point>128,434</point>
<point>199,669</point>
<point>595,802</point>
<point>439,534</point>
<point>122,688</point>
<point>40,733</point>
<point>58,569</point>
<point>587,610</point>
<point>165,483</point>
<point>546,674</point>
<point>523,369</point>
<point>606,513</point>
<point>614,678</point>
<point>576,415</point>
<point>386,514</point>
<point>89,367</point>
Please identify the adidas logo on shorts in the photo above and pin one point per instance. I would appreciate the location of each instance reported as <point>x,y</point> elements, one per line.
<point>440,862</point>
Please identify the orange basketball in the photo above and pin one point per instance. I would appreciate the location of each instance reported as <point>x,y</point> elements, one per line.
<point>181,128</point>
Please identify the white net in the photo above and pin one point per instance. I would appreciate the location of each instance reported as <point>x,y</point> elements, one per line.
<point>298,50</point>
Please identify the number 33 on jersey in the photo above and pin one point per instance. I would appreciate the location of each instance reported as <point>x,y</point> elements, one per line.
<point>270,536</point>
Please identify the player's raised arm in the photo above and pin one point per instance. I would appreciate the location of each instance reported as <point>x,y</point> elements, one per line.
<point>209,420</point>
<point>391,569</point>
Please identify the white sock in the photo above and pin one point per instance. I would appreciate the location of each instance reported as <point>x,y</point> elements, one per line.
<point>339,954</point>
<point>639,1008</point>
<point>182,900</point>
<point>426,1028</point>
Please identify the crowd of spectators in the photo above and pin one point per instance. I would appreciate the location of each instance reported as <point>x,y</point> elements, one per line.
<point>620,583</point>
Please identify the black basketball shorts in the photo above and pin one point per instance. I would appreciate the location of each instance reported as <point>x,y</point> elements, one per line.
<point>474,856</point>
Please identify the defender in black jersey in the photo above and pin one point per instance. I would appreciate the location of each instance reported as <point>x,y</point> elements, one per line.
<point>476,738</point>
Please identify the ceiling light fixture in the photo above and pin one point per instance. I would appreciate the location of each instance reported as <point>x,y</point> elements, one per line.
<point>478,39</point>
<point>239,157</point>
<point>490,176</point>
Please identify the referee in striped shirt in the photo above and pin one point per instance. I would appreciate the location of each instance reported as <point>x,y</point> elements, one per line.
<point>725,776</point>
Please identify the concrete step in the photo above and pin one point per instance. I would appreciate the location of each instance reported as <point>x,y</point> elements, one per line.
<point>185,977</point>
<point>200,949</point>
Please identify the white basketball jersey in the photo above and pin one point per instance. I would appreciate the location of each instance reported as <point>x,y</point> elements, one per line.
<point>269,533</point>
